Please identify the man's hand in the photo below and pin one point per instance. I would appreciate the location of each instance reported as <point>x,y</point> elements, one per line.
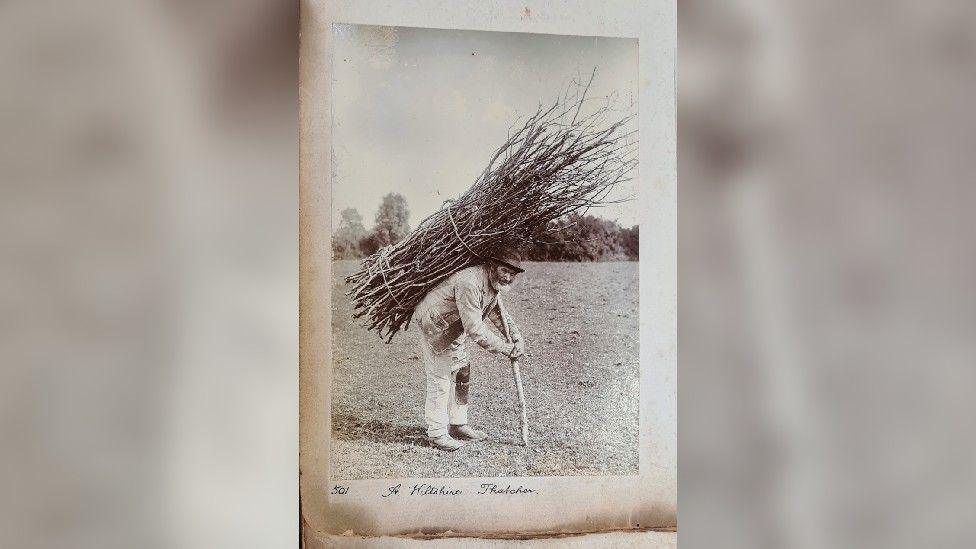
<point>518,349</point>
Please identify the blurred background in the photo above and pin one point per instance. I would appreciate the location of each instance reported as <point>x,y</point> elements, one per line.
<point>827,259</point>
<point>148,277</point>
<point>148,281</point>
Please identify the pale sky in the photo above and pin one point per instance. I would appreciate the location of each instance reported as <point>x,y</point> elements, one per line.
<point>420,111</point>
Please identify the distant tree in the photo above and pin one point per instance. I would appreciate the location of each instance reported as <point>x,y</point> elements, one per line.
<point>584,238</point>
<point>345,241</point>
<point>601,239</point>
<point>630,242</point>
<point>391,226</point>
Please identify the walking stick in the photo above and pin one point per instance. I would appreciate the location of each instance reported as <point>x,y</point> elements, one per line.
<point>518,377</point>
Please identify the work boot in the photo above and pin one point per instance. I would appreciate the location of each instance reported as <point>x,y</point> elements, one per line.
<point>465,432</point>
<point>445,442</point>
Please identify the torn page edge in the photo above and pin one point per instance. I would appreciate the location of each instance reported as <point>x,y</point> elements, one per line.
<point>450,534</point>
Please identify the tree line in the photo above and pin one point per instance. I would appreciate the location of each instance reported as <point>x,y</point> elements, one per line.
<point>571,238</point>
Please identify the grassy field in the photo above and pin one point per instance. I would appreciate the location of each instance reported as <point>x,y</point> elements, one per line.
<point>580,322</point>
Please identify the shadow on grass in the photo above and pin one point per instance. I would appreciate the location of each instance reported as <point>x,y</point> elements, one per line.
<point>349,427</point>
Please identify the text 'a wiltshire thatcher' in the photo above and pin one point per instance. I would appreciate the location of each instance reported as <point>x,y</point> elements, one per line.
<point>565,158</point>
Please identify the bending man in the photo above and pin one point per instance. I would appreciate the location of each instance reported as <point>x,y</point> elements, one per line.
<point>454,311</point>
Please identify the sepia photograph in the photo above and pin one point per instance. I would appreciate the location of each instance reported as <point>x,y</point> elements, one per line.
<point>485,254</point>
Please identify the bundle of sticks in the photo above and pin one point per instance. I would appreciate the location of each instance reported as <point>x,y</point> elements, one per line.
<point>564,158</point>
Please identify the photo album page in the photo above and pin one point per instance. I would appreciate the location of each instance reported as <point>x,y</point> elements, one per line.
<point>488,287</point>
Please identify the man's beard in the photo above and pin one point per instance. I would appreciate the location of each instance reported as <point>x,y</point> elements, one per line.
<point>502,288</point>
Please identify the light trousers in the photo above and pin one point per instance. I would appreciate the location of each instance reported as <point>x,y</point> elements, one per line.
<point>445,404</point>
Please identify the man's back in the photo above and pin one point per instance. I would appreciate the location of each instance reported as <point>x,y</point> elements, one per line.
<point>439,314</point>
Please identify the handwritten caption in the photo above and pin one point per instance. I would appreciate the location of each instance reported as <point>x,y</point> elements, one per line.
<point>426,489</point>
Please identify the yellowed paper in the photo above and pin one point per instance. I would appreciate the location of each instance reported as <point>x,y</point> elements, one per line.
<point>615,540</point>
<point>346,486</point>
